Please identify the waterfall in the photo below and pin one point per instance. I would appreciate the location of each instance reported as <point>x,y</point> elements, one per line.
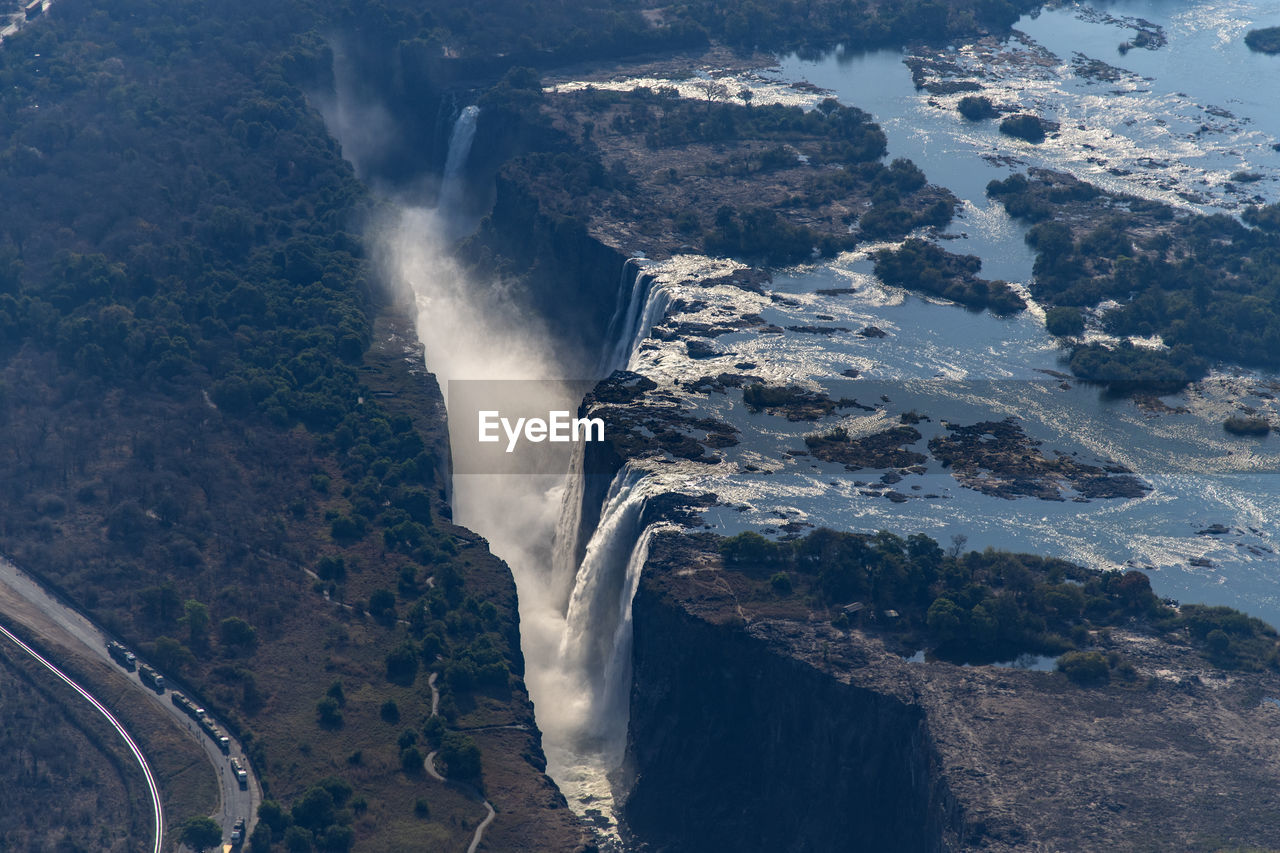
<point>647,305</point>
<point>575,614</point>
<point>452,185</point>
<point>597,634</point>
<point>655,308</point>
<point>446,117</point>
<point>620,308</point>
<point>617,671</point>
<point>593,666</point>
<point>564,555</point>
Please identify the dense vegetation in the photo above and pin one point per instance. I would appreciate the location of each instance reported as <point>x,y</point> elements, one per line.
<point>990,605</point>
<point>921,266</point>
<point>976,107</point>
<point>1207,285</point>
<point>1064,321</point>
<point>1025,127</point>
<point>1244,425</point>
<point>1264,40</point>
<point>724,142</point>
<point>867,23</point>
<point>184,321</point>
<point>848,135</point>
<point>1127,369</point>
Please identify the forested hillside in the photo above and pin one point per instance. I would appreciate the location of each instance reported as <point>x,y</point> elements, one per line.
<point>193,451</point>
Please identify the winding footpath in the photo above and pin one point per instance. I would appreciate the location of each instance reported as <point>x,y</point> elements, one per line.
<point>152,788</point>
<point>435,774</point>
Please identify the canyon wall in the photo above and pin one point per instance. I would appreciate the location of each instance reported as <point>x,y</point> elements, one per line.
<point>736,745</point>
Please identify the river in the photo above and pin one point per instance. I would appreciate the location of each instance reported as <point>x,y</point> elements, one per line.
<point>1173,123</point>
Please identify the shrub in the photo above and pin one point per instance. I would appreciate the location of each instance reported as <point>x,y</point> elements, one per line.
<point>461,757</point>
<point>1240,425</point>
<point>976,107</point>
<point>411,761</point>
<point>1023,126</point>
<point>1064,321</point>
<point>1085,668</point>
<point>402,665</point>
<point>237,635</point>
<point>382,605</point>
<point>328,713</point>
<point>200,833</point>
<point>331,569</point>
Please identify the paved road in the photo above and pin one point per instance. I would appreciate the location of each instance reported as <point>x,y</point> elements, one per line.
<point>61,628</point>
<point>20,20</point>
<point>157,808</point>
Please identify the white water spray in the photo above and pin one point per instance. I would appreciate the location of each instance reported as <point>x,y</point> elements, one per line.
<point>575,621</point>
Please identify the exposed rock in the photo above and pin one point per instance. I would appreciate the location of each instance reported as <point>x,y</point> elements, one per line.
<point>795,403</point>
<point>887,449</point>
<point>817,330</point>
<point>997,458</point>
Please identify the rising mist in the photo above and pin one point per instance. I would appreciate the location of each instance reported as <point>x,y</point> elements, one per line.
<point>575,622</point>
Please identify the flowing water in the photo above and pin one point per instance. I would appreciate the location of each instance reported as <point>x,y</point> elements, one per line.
<point>1174,124</point>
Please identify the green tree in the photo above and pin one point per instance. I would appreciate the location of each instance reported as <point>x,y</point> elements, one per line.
<point>328,713</point>
<point>171,655</point>
<point>297,840</point>
<point>1064,321</point>
<point>411,761</point>
<point>382,606</point>
<point>200,833</point>
<point>316,810</point>
<point>1085,668</point>
<point>260,839</point>
<point>273,816</point>
<point>237,635</point>
<point>461,757</point>
<point>196,621</point>
<point>336,839</point>
<point>945,620</point>
<point>402,665</point>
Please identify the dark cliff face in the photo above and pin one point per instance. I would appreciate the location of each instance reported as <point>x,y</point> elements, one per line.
<point>569,277</point>
<point>733,746</point>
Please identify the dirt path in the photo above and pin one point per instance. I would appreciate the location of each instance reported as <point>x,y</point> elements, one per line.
<point>430,765</point>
